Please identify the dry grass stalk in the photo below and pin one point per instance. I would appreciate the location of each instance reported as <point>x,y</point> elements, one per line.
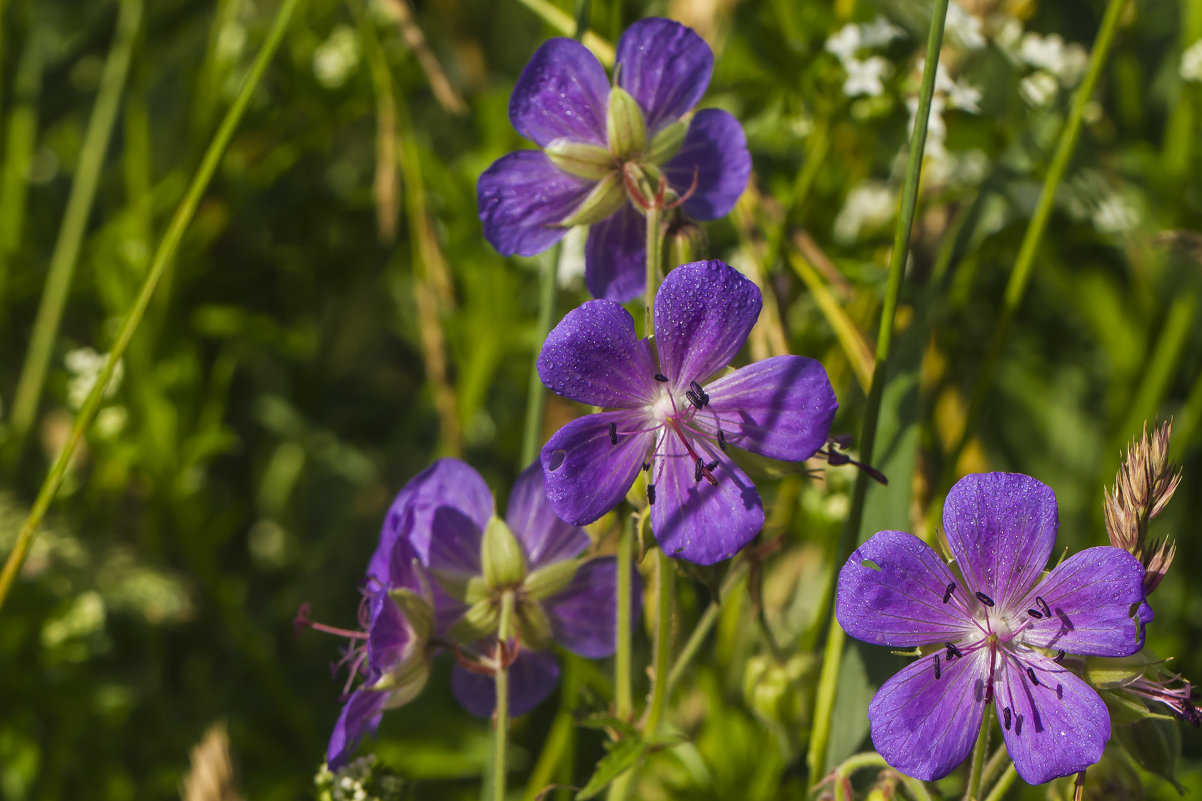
<point>212,775</point>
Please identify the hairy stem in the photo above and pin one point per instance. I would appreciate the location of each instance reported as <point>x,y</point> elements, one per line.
<point>828,678</point>
<point>501,716</point>
<point>972,790</point>
<point>666,579</point>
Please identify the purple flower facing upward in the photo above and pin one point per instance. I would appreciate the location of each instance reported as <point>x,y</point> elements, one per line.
<point>603,145</point>
<point>473,558</point>
<point>670,415</point>
<point>993,629</point>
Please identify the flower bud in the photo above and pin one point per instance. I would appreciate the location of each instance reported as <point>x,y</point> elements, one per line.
<point>550,579</point>
<point>624,125</point>
<point>604,199</point>
<point>686,241</point>
<point>416,610</point>
<point>780,693</point>
<point>666,142</point>
<point>501,556</point>
<point>587,161</point>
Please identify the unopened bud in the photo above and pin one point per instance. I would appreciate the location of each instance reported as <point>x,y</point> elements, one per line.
<point>550,579</point>
<point>666,142</point>
<point>587,161</point>
<point>501,556</point>
<point>624,125</point>
<point>603,200</point>
<point>779,693</point>
<point>686,242</point>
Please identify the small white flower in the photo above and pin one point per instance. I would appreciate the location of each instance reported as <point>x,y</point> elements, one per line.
<point>1191,63</point>
<point>959,95</point>
<point>1050,53</point>
<point>869,206</point>
<point>1038,89</point>
<point>336,58</point>
<point>936,127</point>
<point>880,32</point>
<point>1115,214</point>
<point>864,77</point>
<point>846,42</point>
<point>84,365</point>
<point>110,421</point>
<point>964,28</point>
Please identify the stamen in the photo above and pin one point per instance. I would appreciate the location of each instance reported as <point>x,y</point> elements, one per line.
<point>651,495</point>
<point>646,466</point>
<point>1006,716</point>
<point>712,465</point>
<point>947,594</point>
<point>983,598</point>
<point>938,673</point>
<point>1031,676</point>
<point>613,433</point>
<point>700,393</point>
<point>694,398</point>
<point>661,378</point>
<point>697,468</point>
<point>722,440</point>
<point>1035,613</point>
<point>1043,605</point>
<point>952,651</point>
<point>1059,657</point>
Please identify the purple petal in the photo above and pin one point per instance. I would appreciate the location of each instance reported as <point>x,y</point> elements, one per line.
<point>665,66</point>
<point>543,535</point>
<point>780,407</point>
<point>1058,727</point>
<point>703,314</point>
<point>404,567</point>
<point>1000,528</point>
<point>1091,596</point>
<point>454,545</point>
<point>715,152</point>
<point>389,638</point>
<point>583,615</point>
<point>522,198</point>
<point>925,726</point>
<point>562,92</point>
<point>891,592</point>
<point>532,678</point>
<point>615,256</point>
<point>448,483</point>
<point>360,715</point>
<point>594,357</point>
<point>586,474</point>
<point>696,520</point>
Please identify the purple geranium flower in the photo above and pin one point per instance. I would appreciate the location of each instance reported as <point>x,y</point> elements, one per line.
<point>667,417</point>
<point>599,143</point>
<point>444,514</point>
<point>994,630</point>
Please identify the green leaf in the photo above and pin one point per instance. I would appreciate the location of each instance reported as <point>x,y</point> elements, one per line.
<point>622,756</point>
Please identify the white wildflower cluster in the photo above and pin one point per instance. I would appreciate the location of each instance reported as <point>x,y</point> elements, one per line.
<point>1054,64</point>
<point>868,207</point>
<point>962,28</point>
<point>84,365</point>
<point>865,76</point>
<point>348,784</point>
<point>942,165</point>
<point>336,58</point>
<point>1191,63</point>
<point>1092,197</point>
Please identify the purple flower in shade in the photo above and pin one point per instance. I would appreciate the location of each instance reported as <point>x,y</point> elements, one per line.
<point>394,654</point>
<point>446,515</point>
<point>993,629</point>
<point>602,144</point>
<point>669,418</point>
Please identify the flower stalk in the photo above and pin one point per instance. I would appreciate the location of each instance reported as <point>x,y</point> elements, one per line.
<point>501,718</point>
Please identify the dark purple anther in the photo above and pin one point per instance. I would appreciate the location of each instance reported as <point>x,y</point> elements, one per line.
<point>712,465</point>
<point>646,466</point>
<point>697,468</point>
<point>693,398</point>
<point>1043,605</point>
<point>613,433</point>
<point>1031,676</point>
<point>651,495</point>
<point>952,651</point>
<point>983,598</point>
<point>700,393</point>
<point>938,672</point>
<point>1006,716</point>
<point>1035,613</point>
<point>661,378</point>
<point>722,440</point>
<point>947,593</point>
<point>1059,657</point>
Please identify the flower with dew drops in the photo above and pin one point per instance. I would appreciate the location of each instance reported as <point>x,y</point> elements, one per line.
<point>993,629</point>
<point>446,514</point>
<point>603,146</point>
<point>672,413</point>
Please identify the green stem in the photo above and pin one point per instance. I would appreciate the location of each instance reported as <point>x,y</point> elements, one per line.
<point>999,789</point>
<point>704,624</point>
<point>536,393</point>
<point>1027,250</point>
<point>828,678</point>
<point>501,717</point>
<point>654,246</point>
<point>623,697</point>
<point>75,220</point>
<point>1000,758</point>
<point>163,259</point>
<point>666,578</point>
<point>972,790</point>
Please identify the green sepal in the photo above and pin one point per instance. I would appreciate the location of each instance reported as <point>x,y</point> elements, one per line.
<point>587,161</point>
<point>624,125</point>
<point>480,620</point>
<point>416,609</point>
<point>667,142</point>
<point>603,200</point>
<point>534,626</point>
<point>647,180</point>
<point>550,579</point>
<point>465,587</point>
<point>406,681</point>
<point>501,556</point>
<point>1110,672</point>
<point>1126,710</point>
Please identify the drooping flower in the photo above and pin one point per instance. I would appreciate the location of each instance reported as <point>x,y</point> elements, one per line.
<point>671,413</point>
<point>603,146</point>
<point>993,630</point>
<point>446,515</point>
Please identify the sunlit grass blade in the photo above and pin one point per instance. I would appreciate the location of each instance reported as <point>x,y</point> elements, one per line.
<point>163,259</point>
<point>563,22</point>
<point>851,339</point>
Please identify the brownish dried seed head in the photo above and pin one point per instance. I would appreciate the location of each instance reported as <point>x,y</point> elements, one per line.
<point>1157,563</point>
<point>1121,524</point>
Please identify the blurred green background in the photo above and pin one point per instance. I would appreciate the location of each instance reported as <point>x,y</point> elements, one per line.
<point>334,320</point>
